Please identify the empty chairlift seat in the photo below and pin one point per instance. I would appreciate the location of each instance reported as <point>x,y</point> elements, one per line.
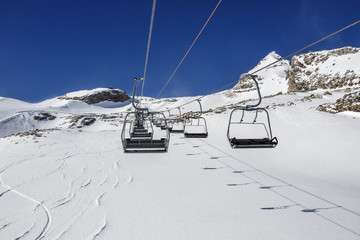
<point>249,126</point>
<point>139,139</point>
<point>195,126</point>
<point>177,124</point>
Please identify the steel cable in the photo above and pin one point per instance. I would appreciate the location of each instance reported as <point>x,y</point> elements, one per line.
<point>202,29</point>
<point>269,65</point>
<point>148,45</point>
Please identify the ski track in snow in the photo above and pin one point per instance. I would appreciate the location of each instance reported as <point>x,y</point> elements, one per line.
<point>26,232</point>
<point>102,229</point>
<point>48,222</point>
<point>297,202</point>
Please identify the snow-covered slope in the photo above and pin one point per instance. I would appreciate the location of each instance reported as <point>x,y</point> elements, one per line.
<point>70,179</point>
<point>17,116</point>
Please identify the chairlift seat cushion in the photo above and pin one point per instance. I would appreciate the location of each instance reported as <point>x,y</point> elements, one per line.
<point>195,135</point>
<point>254,143</point>
<point>140,130</point>
<point>176,130</point>
<point>145,144</point>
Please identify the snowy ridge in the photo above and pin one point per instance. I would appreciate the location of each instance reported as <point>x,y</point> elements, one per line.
<point>271,80</point>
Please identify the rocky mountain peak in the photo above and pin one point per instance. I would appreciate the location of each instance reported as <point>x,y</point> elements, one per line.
<point>97,95</point>
<point>328,69</point>
<point>271,80</point>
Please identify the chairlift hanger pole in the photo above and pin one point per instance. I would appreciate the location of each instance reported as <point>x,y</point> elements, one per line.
<point>257,89</point>
<point>134,91</point>
<point>179,112</point>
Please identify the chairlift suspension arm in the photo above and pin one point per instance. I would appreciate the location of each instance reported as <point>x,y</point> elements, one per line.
<point>133,99</point>
<point>201,111</point>
<point>258,91</point>
<point>256,115</point>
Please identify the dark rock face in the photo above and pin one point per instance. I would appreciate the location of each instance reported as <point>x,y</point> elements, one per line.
<point>244,83</point>
<point>88,121</point>
<point>113,95</point>
<point>349,102</point>
<point>44,116</point>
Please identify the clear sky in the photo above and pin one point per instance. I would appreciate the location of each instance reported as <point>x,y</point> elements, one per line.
<point>51,47</point>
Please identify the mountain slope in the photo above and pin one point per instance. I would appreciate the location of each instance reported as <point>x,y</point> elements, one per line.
<point>71,180</point>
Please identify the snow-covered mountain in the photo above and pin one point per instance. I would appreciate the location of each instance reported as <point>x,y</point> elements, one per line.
<point>64,175</point>
<point>328,69</point>
<point>17,116</point>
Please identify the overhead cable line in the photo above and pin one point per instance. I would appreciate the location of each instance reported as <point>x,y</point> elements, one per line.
<point>202,29</point>
<point>320,40</point>
<point>148,46</point>
<point>269,65</point>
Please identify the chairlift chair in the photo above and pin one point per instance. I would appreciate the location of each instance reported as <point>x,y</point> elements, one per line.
<point>195,126</point>
<point>169,122</point>
<point>143,141</point>
<point>251,134</point>
<point>177,124</point>
<point>141,136</point>
<point>165,123</point>
<point>157,121</point>
<point>254,132</point>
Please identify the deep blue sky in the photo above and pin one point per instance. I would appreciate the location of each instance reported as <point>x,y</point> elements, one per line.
<point>51,47</point>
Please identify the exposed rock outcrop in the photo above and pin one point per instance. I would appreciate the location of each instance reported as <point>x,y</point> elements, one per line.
<point>97,95</point>
<point>324,70</point>
<point>349,102</point>
<point>44,116</point>
<point>307,72</point>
